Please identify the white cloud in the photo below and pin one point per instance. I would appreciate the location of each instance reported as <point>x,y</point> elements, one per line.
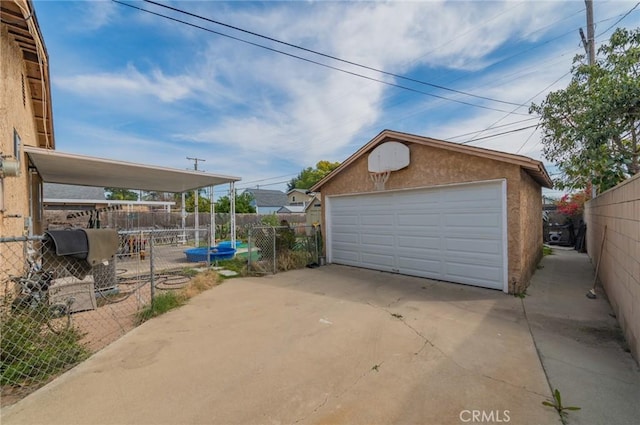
<point>93,15</point>
<point>131,83</point>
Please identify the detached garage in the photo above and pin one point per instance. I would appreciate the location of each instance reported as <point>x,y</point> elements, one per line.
<point>425,207</point>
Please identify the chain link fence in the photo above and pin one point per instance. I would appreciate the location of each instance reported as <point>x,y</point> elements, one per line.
<point>281,248</point>
<point>55,311</point>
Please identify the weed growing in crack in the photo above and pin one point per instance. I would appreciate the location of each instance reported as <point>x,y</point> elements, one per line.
<point>397,316</point>
<point>556,403</point>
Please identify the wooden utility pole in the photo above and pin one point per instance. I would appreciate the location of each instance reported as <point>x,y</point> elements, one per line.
<point>591,37</point>
<point>590,48</point>
<point>195,162</point>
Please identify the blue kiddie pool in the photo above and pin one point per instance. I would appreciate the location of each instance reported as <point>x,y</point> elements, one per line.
<point>217,253</point>
<point>227,244</point>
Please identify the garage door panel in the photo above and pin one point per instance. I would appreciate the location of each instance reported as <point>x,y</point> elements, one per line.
<point>474,246</point>
<point>378,240</point>
<point>345,220</point>
<point>418,219</point>
<point>376,220</point>
<point>486,260</point>
<point>418,242</point>
<point>474,275</point>
<point>420,267</point>
<point>450,233</point>
<point>372,260</point>
<point>346,235</point>
<point>486,219</point>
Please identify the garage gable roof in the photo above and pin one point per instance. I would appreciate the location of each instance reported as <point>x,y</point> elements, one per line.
<point>533,167</point>
<point>59,167</point>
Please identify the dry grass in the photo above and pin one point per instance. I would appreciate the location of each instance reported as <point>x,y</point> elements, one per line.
<point>202,282</point>
<point>291,260</point>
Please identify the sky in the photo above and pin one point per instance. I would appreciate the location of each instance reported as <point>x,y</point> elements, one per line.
<point>130,85</point>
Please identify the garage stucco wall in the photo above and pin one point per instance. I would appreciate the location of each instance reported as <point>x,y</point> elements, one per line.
<point>15,113</point>
<point>531,228</point>
<point>432,167</point>
<point>619,210</point>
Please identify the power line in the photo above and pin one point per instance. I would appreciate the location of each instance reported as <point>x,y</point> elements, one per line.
<point>499,134</point>
<point>528,138</point>
<point>529,100</point>
<point>315,62</point>
<point>619,20</point>
<point>315,52</point>
<point>497,126</point>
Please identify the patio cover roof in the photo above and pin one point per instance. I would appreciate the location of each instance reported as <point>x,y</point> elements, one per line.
<point>59,167</point>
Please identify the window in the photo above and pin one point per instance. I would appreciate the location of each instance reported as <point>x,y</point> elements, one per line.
<point>293,199</point>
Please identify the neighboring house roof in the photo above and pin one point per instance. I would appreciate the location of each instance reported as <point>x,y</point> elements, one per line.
<point>53,191</point>
<point>20,17</point>
<point>268,198</point>
<point>293,209</point>
<point>303,191</point>
<point>533,167</point>
<point>313,202</point>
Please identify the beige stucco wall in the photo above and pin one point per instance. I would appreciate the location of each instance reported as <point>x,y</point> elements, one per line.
<point>619,210</point>
<point>531,228</point>
<point>18,115</point>
<point>300,198</point>
<point>431,167</point>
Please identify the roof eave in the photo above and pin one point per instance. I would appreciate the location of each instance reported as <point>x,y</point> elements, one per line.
<point>533,167</point>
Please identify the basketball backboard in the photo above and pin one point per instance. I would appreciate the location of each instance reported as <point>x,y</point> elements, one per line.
<point>389,156</point>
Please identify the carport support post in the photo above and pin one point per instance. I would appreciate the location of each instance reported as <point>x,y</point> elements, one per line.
<point>183,215</point>
<point>152,270</point>
<point>212,218</point>
<point>232,210</point>
<point>197,213</point>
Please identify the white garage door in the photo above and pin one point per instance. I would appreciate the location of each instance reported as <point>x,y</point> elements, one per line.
<point>453,233</point>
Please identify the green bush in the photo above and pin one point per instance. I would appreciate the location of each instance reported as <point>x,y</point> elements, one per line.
<point>29,353</point>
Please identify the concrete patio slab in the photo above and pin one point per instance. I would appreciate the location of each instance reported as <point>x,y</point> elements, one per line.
<point>315,346</point>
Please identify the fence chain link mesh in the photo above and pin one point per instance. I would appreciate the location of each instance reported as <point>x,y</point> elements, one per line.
<point>55,312</point>
<point>282,248</point>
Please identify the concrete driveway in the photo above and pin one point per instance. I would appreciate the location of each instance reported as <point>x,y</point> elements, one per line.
<point>315,346</point>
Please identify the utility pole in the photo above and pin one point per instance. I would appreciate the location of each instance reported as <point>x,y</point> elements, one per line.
<point>590,48</point>
<point>195,162</point>
<point>196,201</point>
<point>589,42</point>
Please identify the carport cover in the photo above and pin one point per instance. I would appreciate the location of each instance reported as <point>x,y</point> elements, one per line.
<point>66,168</point>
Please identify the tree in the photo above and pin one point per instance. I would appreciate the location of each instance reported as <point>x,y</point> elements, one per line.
<point>310,176</point>
<point>591,128</point>
<point>572,205</point>
<point>117,194</point>
<point>204,205</point>
<point>243,204</point>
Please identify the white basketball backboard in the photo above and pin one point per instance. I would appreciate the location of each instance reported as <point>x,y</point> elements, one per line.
<point>389,156</point>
